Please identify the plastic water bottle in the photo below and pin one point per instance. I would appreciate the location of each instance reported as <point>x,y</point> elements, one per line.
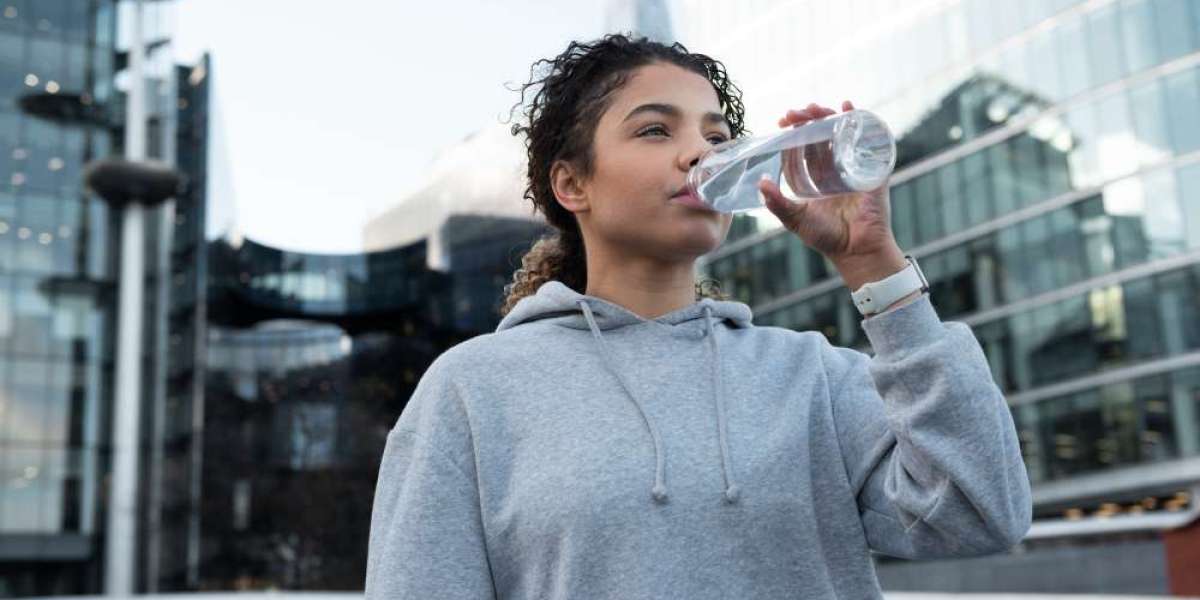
<point>853,151</point>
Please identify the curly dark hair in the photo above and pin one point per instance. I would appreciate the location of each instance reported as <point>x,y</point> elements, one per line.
<point>572,92</point>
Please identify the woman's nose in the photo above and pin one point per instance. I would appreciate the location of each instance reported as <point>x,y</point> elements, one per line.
<point>695,151</point>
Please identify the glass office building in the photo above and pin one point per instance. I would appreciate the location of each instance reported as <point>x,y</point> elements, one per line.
<point>59,246</point>
<point>57,285</point>
<point>309,360</point>
<point>1049,184</point>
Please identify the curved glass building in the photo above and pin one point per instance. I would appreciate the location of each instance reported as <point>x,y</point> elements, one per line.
<point>1049,184</point>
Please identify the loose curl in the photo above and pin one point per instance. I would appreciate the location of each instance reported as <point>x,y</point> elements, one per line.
<point>559,123</point>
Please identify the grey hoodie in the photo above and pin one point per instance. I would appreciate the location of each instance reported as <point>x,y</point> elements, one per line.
<point>584,452</point>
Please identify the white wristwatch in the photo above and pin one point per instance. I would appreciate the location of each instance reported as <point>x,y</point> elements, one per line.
<point>873,297</point>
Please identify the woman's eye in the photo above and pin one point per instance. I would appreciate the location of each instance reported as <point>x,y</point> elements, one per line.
<point>717,139</point>
<point>652,129</point>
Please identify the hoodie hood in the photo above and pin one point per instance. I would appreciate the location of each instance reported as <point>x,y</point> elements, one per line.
<point>556,303</point>
<point>560,304</point>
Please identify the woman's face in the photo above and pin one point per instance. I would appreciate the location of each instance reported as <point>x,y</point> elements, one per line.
<point>656,127</point>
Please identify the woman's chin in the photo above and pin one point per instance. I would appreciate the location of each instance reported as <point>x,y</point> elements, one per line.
<point>703,241</point>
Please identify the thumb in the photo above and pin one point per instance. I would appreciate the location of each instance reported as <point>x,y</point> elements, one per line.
<point>789,212</point>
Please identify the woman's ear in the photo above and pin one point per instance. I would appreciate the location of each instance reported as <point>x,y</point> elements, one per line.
<point>568,187</point>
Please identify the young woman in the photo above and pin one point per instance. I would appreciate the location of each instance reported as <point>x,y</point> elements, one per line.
<point>625,434</point>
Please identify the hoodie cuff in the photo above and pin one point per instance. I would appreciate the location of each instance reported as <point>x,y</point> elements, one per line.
<point>912,325</point>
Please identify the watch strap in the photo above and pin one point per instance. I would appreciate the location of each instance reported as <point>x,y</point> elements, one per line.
<point>876,296</point>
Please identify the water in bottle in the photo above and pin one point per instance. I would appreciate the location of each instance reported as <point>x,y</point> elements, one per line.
<point>846,152</point>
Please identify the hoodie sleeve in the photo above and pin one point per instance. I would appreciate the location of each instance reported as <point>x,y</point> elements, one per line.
<point>928,441</point>
<point>427,538</point>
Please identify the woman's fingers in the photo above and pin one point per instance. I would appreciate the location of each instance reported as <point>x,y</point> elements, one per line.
<point>799,117</point>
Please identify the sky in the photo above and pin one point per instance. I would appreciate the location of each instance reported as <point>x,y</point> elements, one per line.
<point>326,113</point>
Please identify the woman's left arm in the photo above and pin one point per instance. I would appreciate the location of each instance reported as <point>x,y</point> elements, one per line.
<point>927,439</point>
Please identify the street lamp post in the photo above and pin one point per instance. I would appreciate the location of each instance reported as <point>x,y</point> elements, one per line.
<point>131,185</point>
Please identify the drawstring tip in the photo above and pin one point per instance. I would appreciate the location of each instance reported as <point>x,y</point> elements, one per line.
<point>660,494</point>
<point>731,494</point>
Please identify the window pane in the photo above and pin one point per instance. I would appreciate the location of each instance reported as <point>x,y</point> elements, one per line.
<point>1137,28</point>
<point>1097,230</point>
<point>1003,178</point>
<point>1116,149</point>
<point>1150,122</point>
<point>1174,28</point>
<point>929,226</point>
<point>976,192</point>
<point>1189,197</point>
<point>1037,248</point>
<point>1072,57</point>
<point>951,197</point>
<point>1012,267</point>
<point>1125,203</point>
<point>1185,403</point>
<point>1179,310</point>
<point>1182,100</point>
<point>1046,80</point>
<point>1156,437</point>
<point>1164,218</point>
<point>1104,46</point>
<point>1067,249</point>
<point>1031,180</point>
<point>1085,156</point>
<point>1145,335</point>
<point>902,214</point>
<point>985,269</point>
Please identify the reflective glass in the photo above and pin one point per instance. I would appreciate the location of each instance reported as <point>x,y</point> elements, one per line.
<point>1117,148</point>
<point>1145,333</point>
<point>902,215</point>
<point>23,493</point>
<point>1173,28</point>
<point>1072,56</point>
<point>1084,159</point>
<point>1003,178</point>
<point>1183,96</point>
<point>1150,125</point>
<point>929,225</point>
<point>1104,46</point>
<point>1179,310</point>
<point>1156,435</point>
<point>1138,34</point>
<point>1013,283</point>
<point>1163,216</point>
<point>1125,203</point>
<point>1185,404</point>
<point>950,188</point>
<point>12,67</point>
<point>976,192</point>
<point>1037,246</point>
<point>1188,181</point>
<point>1066,249</point>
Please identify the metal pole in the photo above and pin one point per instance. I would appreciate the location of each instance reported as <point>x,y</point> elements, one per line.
<point>121,547</point>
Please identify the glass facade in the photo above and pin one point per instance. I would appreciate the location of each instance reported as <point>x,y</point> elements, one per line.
<point>309,361</point>
<point>56,290</point>
<point>1048,181</point>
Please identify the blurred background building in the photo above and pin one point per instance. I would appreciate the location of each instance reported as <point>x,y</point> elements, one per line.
<point>271,377</point>
<point>1048,181</point>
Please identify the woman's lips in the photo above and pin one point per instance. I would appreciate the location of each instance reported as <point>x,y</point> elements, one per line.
<point>690,201</point>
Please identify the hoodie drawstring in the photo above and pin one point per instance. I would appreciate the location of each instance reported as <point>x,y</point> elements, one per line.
<point>659,492</point>
<point>731,488</point>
